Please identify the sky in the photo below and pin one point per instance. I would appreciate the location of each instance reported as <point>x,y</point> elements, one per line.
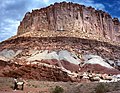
<point>13,11</point>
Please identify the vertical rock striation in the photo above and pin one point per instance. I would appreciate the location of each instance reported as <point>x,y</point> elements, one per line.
<point>72,17</point>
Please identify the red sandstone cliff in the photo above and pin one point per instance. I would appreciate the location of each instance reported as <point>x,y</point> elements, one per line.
<point>72,17</point>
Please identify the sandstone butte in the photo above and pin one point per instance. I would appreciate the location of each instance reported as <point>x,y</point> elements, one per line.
<point>71,19</point>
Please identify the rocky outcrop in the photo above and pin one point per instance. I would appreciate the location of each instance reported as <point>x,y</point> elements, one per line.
<point>78,45</point>
<point>36,72</point>
<point>52,42</point>
<point>74,18</point>
<point>96,68</point>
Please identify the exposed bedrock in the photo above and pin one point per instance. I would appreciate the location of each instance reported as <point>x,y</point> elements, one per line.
<point>72,17</point>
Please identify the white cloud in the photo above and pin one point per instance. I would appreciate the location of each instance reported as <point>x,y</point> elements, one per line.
<point>92,3</point>
<point>46,1</point>
<point>4,3</point>
<point>8,30</point>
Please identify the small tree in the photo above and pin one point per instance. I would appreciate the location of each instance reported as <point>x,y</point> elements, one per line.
<point>58,89</point>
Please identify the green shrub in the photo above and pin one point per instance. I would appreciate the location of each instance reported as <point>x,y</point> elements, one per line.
<point>101,88</point>
<point>58,89</point>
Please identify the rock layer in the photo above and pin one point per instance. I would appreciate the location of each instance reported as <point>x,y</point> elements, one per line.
<point>72,17</point>
<point>63,26</point>
<point>78,45</point>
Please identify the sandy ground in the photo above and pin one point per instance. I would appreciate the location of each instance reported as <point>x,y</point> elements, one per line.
<point>34,86</point>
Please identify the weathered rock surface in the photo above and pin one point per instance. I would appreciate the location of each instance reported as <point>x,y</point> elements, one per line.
<point>31,47</point>
<point>63,26</point>
<point>99,69</point>
<point>73,44</point>
<point>74,18</point>
<point>33,72</point>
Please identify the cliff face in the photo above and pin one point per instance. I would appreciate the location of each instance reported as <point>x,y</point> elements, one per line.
<point>63,38</point>
<point>72,17</point>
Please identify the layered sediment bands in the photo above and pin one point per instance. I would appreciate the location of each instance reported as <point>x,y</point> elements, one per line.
<point>99,69</point>
<point>78,45</point>
<point>36,72</point>
<point>72,17</point>
<point>52,41</point>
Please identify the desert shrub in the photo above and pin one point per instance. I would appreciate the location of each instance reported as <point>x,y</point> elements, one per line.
<point>116,86</point>
<point>58,89</point>
<point>101,88</point>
